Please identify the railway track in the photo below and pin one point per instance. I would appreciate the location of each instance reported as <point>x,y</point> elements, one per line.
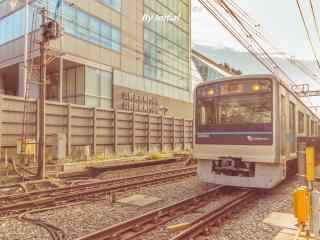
<point>19,203</point>
<point>202,227</point>
<point>134,228</point>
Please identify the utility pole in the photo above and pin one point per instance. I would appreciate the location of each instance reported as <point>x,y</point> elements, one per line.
<point>42,98</point>
<point>49,31</point>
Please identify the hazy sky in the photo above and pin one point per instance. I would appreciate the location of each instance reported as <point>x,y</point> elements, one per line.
<point>280,18</point>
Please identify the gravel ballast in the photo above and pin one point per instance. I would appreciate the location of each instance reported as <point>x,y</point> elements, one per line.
<point>83,219</point>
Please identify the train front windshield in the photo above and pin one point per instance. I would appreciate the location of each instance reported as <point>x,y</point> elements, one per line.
<point>235,112</point>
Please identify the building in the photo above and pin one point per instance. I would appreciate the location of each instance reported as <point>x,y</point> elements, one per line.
<point>204,69</point>
<point>126,54</point>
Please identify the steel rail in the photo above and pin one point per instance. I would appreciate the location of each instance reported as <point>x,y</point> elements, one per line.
<point>90,184</point>
<point>201,226</point>
<point>77,192</point>
<point>134,227</point>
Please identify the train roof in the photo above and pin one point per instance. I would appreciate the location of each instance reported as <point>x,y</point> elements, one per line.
<point>237,77</point>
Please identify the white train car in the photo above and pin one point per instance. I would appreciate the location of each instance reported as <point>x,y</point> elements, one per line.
<point>246,130</point>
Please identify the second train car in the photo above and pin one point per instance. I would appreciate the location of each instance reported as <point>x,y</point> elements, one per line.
<point>246,130</point>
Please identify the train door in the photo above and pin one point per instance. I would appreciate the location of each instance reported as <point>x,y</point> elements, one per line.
<point>283,133</point>
<point>308,125</point>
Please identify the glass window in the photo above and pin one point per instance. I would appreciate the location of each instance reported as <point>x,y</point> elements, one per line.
<point>116,40</point>
<point>82,25</point>
<point>312,128</point>
<point>92,81</point>
<point>308,124</point>
<point>115,4</point>
<point>301,122</point>
<point>292,127</point>
<point>98,88</point>
<point>91,29</point>
<point>69,19</point>
<point>94,30</point>
<point>238,109</point>
<point>106,103</point>
<point>163,47</point>
<point>12,27</point>
<point>106,84</point>
<point>92,101</point>
<point>106,36</point>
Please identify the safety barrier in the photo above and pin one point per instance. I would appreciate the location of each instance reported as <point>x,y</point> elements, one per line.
<point>104,130</point>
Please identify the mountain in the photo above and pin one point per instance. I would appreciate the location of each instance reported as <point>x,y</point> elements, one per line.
<point>247,64</point>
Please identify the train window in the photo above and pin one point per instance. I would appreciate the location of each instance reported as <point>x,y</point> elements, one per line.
<point>292,127</point>
<point>308,124</point>
<point>202,117</point>
<point>235,110</point>
<point>243,109</point>
<point>301,123</point>
<point>283,125</point>
<point>313,128</point>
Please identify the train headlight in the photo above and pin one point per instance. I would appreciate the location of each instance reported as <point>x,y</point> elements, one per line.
<point>210,92</point>
<point>256,87</point>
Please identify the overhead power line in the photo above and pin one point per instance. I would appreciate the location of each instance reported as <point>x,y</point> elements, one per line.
<point>308,32</point>
<point>240,30</point>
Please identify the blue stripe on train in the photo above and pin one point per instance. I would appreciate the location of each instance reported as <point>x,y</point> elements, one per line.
<point>208,134</point>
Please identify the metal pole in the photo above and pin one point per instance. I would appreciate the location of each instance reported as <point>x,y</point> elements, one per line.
<point>61,57</point>
<point>26,31</point>
<point>42,105</point>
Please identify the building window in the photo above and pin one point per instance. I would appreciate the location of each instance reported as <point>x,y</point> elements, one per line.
<point>98,88</point>
<point>166,49</point>
<point>89,28</point>
<point>12,26</point>
<point>301,122</point>
<point>76,23</point>
<point>115,4</point>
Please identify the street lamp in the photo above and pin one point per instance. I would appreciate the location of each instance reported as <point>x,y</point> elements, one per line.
<point>13,4</point>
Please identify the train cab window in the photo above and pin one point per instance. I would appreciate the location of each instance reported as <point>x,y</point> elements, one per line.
<point>235,110</point>
<point>308,124</point>
<point>292,127</point>
<point>301,123</point>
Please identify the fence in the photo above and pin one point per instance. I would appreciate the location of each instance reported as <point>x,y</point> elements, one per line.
<point>104,130</point>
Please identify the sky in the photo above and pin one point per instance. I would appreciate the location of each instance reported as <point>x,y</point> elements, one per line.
<point>279,18</point>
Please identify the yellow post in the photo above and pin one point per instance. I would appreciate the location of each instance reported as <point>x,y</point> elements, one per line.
<point>301,205</point>
<point>310,164</point>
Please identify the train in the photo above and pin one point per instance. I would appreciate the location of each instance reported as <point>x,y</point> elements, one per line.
<point>246,130</point>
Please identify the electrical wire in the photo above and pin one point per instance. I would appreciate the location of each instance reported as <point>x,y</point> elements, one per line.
<point>251,23</point>
<point>315,19</point>
<point>308,34</point>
